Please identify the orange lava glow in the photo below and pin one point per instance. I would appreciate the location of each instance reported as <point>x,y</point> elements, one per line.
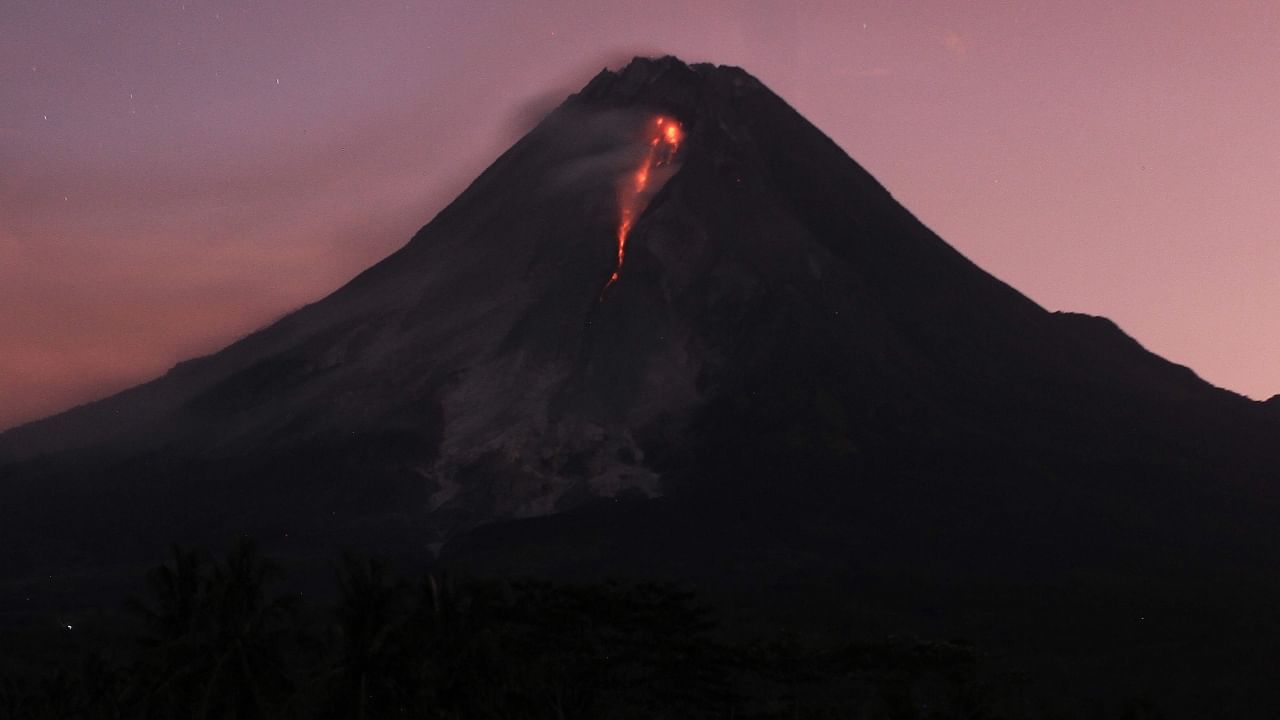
<point>665,135</point>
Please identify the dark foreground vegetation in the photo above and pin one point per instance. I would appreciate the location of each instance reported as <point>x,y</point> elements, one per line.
<point>212,639</point>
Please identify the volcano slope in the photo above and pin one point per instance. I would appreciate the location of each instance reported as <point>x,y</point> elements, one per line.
<point>792,392</point>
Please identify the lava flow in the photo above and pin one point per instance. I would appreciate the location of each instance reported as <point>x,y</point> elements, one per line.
<point>664,140</point>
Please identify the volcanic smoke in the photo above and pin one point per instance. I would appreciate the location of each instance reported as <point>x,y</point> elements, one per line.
<point>664,139</point>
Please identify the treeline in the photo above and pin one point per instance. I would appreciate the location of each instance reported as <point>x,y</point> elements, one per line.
<point>211,639</point>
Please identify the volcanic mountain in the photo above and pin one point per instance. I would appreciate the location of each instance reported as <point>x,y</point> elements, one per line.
<point>676,331</point>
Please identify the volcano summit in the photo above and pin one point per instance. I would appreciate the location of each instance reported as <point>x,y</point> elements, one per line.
<point>676,332</point>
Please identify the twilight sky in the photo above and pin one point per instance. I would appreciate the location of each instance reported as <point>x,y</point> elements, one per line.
<point>174,175</point>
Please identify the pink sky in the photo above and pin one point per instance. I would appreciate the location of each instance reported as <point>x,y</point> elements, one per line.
<point>174,176</point>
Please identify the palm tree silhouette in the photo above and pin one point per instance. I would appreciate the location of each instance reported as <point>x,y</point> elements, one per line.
<point>163,679</point>
<point>245,676</point>
<point>214,640</point>
<point>367,678</point>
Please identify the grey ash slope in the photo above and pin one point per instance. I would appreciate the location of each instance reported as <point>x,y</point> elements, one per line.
<point>778,313</point>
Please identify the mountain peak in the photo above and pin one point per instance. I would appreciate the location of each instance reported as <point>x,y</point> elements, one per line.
<point>666,83</point>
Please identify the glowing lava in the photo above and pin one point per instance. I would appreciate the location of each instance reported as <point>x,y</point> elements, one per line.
<point>664,139</point>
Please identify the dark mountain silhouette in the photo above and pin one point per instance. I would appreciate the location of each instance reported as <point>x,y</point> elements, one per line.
<point>793,389</point>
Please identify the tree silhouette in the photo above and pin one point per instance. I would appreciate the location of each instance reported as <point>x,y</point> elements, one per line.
<point>177,593</point>
<point>368,675</point>
<point>216,643</point>
<point>214,640</point>
<point>165,677</point>
<point>452,648</point>
<point>247,634</point>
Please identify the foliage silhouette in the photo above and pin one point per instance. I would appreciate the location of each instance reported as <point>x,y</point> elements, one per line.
<point>213,640</point>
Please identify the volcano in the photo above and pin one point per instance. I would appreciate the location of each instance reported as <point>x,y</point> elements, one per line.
<point>675,331</point>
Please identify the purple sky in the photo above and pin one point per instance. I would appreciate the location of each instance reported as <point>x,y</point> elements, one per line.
<point>175,175</point>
